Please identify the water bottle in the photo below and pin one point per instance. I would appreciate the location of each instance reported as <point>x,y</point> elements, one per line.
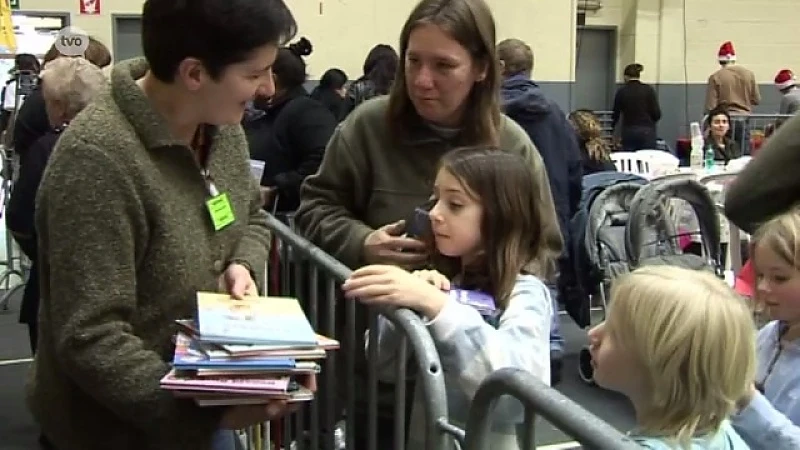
<point>696,156</point>
<point>709,162</point>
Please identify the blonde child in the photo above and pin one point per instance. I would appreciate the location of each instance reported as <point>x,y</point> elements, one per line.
<point>486,233</point>
<point>680,345</point>
<point>771,411</point>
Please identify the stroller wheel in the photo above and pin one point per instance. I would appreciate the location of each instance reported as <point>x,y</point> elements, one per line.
<point>585,369</point>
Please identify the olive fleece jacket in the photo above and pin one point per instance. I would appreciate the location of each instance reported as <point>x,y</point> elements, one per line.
<point>126,242</point>
<point>369,179</point>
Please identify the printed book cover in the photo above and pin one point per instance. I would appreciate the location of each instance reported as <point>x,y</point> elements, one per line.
<point>189,357</point>
<point>324,343</point>
<point>239,384</point>
<point>253,320</point>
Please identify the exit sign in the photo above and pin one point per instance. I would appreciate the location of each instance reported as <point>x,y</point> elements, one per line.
<point>14,4</point>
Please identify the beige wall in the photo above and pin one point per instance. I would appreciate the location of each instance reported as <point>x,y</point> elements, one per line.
<point>342,41</point>
<point>548,26</point>
<point>654,33</point>
<point>649,31</point>
<point>764,35</point>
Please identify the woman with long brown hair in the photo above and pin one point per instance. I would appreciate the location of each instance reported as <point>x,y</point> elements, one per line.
<point>595,149</point>
<point>381,162</point>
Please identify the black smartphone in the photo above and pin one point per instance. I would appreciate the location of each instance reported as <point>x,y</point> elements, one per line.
<point>418,225</point>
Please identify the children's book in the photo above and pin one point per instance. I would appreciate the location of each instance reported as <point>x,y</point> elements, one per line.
<point>224,320</point>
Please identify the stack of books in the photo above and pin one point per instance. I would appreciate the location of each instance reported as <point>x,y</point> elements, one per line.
<point>249,351</point>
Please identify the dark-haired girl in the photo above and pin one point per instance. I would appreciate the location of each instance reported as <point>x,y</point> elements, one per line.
<point>486,236</point>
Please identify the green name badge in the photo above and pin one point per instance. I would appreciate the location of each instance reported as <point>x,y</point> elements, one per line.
<point>221,211</point>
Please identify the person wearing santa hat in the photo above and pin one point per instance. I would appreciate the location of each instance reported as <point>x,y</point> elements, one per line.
<point>786,82</point>
<point>732,85</point>
<point>734,88</point>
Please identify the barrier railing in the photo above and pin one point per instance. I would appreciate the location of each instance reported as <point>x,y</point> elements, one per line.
<point>304,271</point>
<point>605,119</point>
<point>538,398</point>
<point>750,130</point>
<point>12,278</point>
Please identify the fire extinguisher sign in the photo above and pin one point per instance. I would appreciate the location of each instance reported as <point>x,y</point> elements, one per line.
<point>89,6</point>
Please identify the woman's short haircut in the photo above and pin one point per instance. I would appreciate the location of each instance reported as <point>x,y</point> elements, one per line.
<point>517,57</point>
<point>219,33</point>
<point>73,82</point>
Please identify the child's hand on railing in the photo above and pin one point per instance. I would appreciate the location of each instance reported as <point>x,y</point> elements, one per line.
<point>392,286</point>
<point>433,277</point>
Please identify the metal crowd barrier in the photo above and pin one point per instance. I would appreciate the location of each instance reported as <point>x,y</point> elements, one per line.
<point>334,420</point>
<point>300,269</point>
<point>13,276</point>
<point>750,130</point>
<point>605,119</point>
<point>539,399</point>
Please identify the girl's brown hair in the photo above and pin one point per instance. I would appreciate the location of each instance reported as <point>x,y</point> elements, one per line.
<point>471,24</point>
<point>511,226</point>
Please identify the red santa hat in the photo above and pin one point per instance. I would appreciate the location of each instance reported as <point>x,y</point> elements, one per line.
<point>726,52</point>
<point>785,79</point>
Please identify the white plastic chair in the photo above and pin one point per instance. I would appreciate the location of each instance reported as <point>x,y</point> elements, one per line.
<point>661,163</point>
<point>738,164</point>
<point>632,162</point>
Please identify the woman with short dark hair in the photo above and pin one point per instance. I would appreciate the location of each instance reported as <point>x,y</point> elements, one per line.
<point>147,200</point>
<point>636,112</point>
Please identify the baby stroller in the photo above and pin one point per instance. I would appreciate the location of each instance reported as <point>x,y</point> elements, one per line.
<point>598,238</point>
<point>650,238</point>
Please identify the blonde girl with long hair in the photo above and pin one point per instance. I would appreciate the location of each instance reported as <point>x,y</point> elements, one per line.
<point>680,344</point>
<point>770,412</point>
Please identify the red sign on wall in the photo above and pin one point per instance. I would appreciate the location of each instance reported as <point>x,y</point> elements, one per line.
<point>90,6</point>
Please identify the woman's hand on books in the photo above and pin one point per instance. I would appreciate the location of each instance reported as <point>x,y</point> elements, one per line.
<point>433,277</point>
<point>237,281</point>
<point>393,286</point>
<point>243,416</point>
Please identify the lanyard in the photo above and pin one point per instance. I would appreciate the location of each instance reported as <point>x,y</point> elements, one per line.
<point>212,188</point>
<point>782,329</point>
<point>201,148</point>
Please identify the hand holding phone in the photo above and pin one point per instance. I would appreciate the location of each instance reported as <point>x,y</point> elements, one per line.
<point>418,226</point>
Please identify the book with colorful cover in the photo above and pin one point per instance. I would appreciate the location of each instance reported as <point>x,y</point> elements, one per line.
<point>300,368</point>
<point>252,321</point>
<point>240,390</point>
<point>238,385</point>
<point>208,399</point>
<point>323,344</point>
<point>189,357</point>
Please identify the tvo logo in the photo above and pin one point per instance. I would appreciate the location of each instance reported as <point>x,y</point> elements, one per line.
<point>72,41</point>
